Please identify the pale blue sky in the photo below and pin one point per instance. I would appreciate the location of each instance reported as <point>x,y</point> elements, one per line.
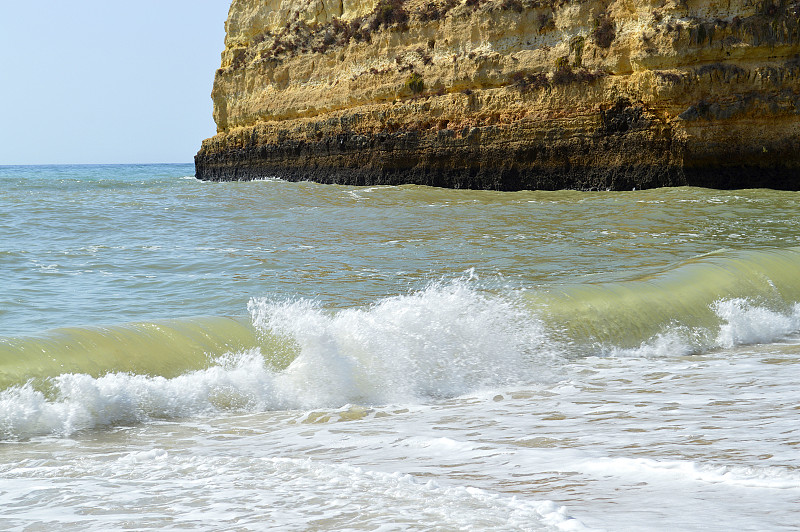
<point>103,81</point>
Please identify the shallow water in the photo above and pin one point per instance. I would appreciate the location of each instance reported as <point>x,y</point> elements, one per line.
<point>189,355</point>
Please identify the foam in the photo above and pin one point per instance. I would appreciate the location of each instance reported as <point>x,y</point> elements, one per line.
<point>143,457</point>
<point>752,477</point>
<point>444,341</point>
<point>225,490</point>
<point>740,322</point>
<point>77,402</point>
<point>747,323</point>
<point>461,507</point>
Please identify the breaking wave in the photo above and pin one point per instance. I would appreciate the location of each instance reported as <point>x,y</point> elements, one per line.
<point>446,340</point>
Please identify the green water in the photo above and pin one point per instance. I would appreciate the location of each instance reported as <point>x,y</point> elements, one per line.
<point>107,267</point>
<point>120,260</point>
<point>181,354</point>
<point>114,244</point>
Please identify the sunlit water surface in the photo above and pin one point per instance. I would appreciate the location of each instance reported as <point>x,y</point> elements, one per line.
<point>185,355</point>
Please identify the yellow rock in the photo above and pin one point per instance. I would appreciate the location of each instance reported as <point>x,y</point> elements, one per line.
<point>517,93</point>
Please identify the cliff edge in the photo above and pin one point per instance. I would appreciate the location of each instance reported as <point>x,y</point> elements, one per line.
<point>509,94</point>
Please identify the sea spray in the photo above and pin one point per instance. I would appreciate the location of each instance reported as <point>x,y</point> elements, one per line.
<point>445,340</point>
<point>717,300</point>
<point>737,322</point>
<point>75,401</point>
<point>747,323</point>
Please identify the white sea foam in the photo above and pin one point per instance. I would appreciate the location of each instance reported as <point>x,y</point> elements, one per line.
<point>441,342</point>
<point>677,341</point>
<point>444,341</point>
<point>261,492</point>
<point>752,477</point>
<point>741,323</point>
<point>79,401</point>
<point>461,507</point>
<point>746,323</point>
<point>143,457</point>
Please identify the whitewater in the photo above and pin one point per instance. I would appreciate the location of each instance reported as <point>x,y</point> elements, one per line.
<point>176,354</point>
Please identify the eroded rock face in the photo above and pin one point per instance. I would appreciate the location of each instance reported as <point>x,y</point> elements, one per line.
<point>509,94</point>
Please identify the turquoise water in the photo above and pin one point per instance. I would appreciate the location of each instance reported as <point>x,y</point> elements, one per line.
<point>526,360</point>
<point>79,241</point>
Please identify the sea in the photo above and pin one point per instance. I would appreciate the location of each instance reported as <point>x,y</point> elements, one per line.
<point>272,355</point>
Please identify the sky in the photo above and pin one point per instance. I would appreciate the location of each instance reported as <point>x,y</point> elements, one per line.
<point>103,81</point>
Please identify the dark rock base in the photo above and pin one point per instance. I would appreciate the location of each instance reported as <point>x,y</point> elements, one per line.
<point>624,147</point>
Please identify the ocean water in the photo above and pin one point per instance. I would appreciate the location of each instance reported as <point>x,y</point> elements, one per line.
<point>182,355</point>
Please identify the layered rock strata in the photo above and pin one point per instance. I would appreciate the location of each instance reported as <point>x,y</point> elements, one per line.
<point>509,94</point>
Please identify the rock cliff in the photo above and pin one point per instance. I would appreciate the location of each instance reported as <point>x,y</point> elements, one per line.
<point>509,94</point>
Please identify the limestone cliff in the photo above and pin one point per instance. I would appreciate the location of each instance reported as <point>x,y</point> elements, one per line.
<point>509,94</point>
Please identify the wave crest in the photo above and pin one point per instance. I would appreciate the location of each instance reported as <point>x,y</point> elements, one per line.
<point>444,341</point>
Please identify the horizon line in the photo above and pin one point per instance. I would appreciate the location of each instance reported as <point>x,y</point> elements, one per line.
<point>4,165</point>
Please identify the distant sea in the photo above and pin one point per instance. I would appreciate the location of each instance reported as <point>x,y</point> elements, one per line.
<point>177,354</point>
